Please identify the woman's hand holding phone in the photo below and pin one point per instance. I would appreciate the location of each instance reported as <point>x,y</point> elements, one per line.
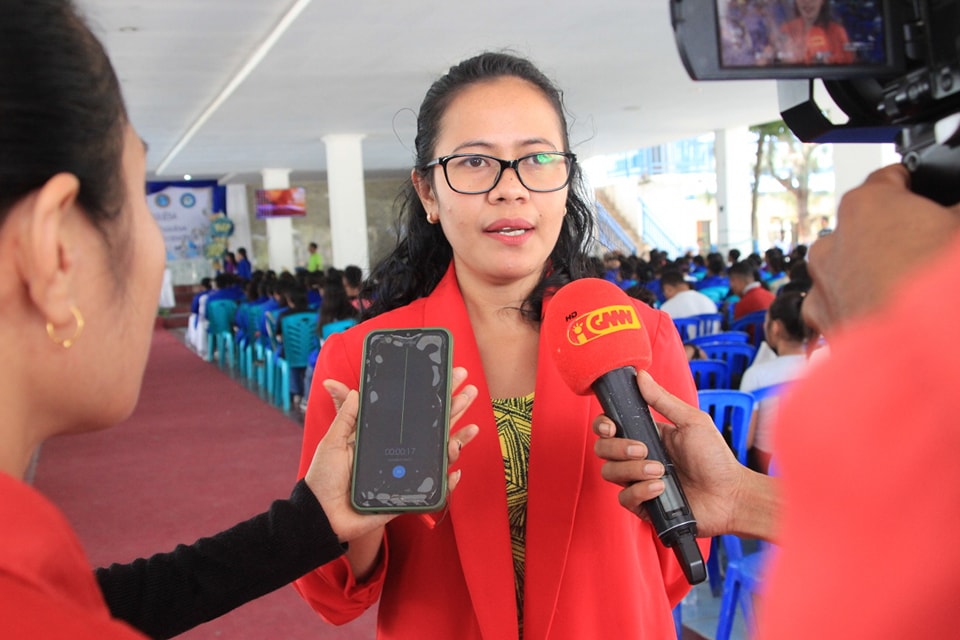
<point>330,472</point>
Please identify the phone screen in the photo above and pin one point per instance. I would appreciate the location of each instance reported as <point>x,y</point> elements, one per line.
<point>402,428</point>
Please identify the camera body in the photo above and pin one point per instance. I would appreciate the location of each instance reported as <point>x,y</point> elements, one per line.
<point>892,66</point>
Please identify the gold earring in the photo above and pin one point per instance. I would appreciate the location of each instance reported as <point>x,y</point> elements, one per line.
<point>68,342</point>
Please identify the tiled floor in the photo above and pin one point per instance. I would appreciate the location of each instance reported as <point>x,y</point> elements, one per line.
<point>700,612</point>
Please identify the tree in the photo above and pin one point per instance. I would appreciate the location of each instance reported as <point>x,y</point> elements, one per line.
<point>783,157</point>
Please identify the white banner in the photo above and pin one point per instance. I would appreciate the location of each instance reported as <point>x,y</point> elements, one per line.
<point>184,218</point>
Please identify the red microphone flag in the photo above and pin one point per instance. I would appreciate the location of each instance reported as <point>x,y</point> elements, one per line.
<point>591,328</point>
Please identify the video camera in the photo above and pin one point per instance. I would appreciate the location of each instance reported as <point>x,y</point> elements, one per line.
<point>893,67</point>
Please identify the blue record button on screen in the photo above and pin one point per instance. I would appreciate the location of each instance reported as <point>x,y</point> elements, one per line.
<point>399,471</point>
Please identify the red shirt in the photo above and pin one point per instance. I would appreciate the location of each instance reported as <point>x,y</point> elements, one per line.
<point>755,299</point>
<point>47,588</point>
<point>819,45</point>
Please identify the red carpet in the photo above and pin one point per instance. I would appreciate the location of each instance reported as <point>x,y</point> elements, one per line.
<point>200,454</point>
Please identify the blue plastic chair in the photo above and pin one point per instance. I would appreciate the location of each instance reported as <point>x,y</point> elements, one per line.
<point>731,411</point>
<point>245,344</point>
<point>299,334</point>
<point>752,323</point>
<point>709,323</point>
<point>220,315</point>
<point>738,355</point>
<point>694,326</point>
<point>687,327</point>
<point>338,326</point>
<point>723,336</point>
<point>742,581</point>
<point>770,391</point>
<point>710,374</point>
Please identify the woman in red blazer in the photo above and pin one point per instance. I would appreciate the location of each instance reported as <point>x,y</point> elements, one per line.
<point>491,226</point>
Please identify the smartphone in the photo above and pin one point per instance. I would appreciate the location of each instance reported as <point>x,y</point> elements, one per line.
<point>400,459</point>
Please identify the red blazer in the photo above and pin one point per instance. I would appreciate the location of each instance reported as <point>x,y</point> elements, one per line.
<point>592,568</point>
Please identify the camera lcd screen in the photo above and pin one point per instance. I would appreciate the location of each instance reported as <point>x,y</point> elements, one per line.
<point>788,39</point>
<point>801,34</point>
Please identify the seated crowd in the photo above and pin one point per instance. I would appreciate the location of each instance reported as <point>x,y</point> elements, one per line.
<point>265,298</point>
<point>767,290</point>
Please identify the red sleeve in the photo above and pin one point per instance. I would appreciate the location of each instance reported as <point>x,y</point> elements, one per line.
<point>332,590</point>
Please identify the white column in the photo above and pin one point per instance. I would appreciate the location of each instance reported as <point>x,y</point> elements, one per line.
<point>348,202</point>
<point>279,230</point>
<point>734,158</point>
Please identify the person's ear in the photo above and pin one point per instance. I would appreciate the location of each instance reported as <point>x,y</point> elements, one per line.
<point>45,259</point>
<point>774,331</point>
<point>428,198</point>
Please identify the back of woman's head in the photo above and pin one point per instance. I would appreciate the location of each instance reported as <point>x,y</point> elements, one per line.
<point>786,308</point>
<point>423,253</point>
<point>335,304</point>
<point>60,108</point>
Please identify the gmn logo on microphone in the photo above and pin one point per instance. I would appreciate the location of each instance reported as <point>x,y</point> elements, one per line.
<point>603,321</point>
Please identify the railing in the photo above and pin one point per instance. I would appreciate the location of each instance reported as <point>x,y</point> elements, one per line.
<point>657,237</point>
<point>611,235</point>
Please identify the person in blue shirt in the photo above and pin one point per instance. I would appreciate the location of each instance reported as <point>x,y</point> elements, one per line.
<point>244,268</point>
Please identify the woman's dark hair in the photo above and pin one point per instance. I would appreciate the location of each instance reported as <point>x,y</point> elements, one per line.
<point>786,308</point>
<point>335,304</point>
<point>61,109</point>
<point>353,275</point>
<point>824,16</point>
<point>422,254</point>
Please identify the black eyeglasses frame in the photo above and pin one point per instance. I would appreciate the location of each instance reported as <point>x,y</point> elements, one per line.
<point>504,164</point>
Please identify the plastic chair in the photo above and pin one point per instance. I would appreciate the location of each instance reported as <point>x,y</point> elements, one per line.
<point>687,327</point>
<point>338,326</point>
<point>251,314</point>
<point>694,326</point>
<point>731,411</point>
<point>709,323</point>
<point>710,374</point>
<point>770,391</point>
<point>723,336</point>
<point>738,355</point>
<point>299,332</point>
<point>739,586</point>
<point>220,315</point>
<point>752,323</point>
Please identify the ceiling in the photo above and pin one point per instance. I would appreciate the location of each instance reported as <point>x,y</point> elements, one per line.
<point>224,88</point>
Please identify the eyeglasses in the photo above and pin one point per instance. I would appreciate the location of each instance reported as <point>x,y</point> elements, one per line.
<point>472,173</point>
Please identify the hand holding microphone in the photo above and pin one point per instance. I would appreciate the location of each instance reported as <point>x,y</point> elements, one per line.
<point>599,344</point>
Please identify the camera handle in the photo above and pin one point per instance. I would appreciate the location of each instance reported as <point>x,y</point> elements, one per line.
<point>932,154</point>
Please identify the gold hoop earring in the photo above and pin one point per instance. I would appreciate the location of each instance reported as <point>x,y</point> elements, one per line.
<point>68,342</point>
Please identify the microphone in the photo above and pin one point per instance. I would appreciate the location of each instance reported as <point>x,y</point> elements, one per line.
<point>598,344</point>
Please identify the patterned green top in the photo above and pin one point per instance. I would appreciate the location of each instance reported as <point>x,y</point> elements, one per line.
<point>513,416</point>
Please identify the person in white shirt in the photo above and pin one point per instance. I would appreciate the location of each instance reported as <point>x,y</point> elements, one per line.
<point>787,335</point>
<point>682,301</point>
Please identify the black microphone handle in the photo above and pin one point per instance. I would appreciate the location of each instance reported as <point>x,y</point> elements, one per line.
<point>669,512</point>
